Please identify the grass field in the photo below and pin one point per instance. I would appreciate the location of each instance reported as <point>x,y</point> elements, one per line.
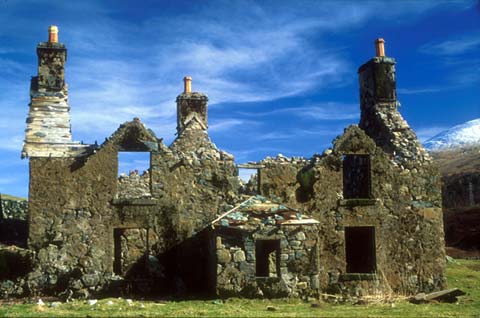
<point>464,274</point>
<point>11,197</point>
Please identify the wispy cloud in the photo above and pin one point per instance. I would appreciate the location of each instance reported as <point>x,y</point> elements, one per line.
<point>275,136</point>
<point>7,180</point>
<point>326,111</point>
<point>453,46</point>
<point>426,90</point>
<point>218,125</point>
<point>455,55</point>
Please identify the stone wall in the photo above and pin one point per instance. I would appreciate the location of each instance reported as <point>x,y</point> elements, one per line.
<point>278,178</point>
<point>78,204</point>
<point>405,210</point>
<point>134,185</point>
<point>196,178</point>
<point>13,209</point>
<point>295,272</point>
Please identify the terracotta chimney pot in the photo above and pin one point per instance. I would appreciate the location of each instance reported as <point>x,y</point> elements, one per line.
<point>187,81</point>
<point>53,34</point>
<point>380,47</point>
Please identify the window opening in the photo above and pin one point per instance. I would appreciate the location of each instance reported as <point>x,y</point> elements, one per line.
<point>250,178</point>
<point>360,249</point>
<point>267,256</point>
<point>356,177</point>
<point>133,174</point>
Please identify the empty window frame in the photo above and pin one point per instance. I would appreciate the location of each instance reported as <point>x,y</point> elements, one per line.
<point>360,249</point>
<point>134,177</point>
<point>356,177</point>
<point>133,162</point>
<point>251,180</point>
<point>267,256</point>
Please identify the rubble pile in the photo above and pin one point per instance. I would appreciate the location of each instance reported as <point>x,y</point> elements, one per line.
<point>134,185</point>
<point>13,209</point>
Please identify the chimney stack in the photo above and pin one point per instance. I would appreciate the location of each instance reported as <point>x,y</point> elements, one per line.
<point>53,34</point>
<point>377,79</point>
<point>191,108</point>
<point>187,84</point>
<point>48,132</point>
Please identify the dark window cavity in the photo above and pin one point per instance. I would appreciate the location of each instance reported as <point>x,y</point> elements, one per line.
<point>360,249</point>
<point>267,255</point>
<point>356,177</point>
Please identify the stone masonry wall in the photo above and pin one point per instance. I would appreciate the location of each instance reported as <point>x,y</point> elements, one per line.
<point>278,178</point>
<point>196,179</point>
<point>236,271</point>
<point>13,209</point>
<point>405,210</point>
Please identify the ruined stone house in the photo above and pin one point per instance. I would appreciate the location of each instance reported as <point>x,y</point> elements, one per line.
<point>364,217</point>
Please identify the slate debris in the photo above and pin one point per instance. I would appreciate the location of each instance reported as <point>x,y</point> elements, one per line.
<point>446,296</point>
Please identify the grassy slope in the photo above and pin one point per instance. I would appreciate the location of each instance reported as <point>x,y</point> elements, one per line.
<point>458,161</point>
<point>11,197</point>
<point>464,274</point>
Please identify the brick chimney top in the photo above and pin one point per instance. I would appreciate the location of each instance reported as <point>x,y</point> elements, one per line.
<point>380,47</point>
<point>187,84</point>
<point>53,34</point>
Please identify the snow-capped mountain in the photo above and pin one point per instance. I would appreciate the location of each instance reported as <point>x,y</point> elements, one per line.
<point>461,135</point>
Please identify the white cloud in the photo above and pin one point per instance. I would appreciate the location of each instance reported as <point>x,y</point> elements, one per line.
<point>274,135</point>
<point>226,124</point>
<point>425,90</point>
<point>327,111</point>
<point>453,47</point>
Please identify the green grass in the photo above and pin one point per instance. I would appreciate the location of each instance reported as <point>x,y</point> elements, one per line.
<point>11,197</point>
<point>464,274</point>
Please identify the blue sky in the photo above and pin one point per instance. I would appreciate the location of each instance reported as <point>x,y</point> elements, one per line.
<point>281,75</point>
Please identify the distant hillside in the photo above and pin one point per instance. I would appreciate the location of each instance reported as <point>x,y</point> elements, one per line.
<point>457,161</point>
<point>11,197</point>
<point>460,168</point>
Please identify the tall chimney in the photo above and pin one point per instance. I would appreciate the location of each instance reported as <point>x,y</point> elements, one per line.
<point>377,79</point>
<point>51,62</point>
<point>48,132</point>
<point>191,108</point>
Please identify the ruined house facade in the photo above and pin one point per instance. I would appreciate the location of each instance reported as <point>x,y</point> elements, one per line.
<point>183,227</point>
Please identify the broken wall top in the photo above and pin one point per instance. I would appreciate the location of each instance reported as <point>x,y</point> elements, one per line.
<point>258,211</point>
